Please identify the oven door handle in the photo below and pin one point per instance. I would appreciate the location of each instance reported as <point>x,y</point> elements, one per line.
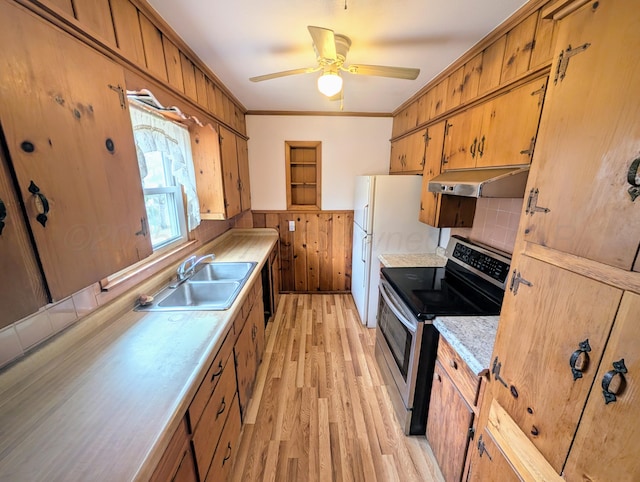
<point>410,325</point>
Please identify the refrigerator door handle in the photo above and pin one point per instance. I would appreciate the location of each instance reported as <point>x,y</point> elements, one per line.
<point>365,219</point>
<point>364,242</point>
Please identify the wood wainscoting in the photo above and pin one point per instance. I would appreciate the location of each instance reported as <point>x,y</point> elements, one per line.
<point>316,256</point>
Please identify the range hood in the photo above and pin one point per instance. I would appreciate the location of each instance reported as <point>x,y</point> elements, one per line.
<point>490,182</point>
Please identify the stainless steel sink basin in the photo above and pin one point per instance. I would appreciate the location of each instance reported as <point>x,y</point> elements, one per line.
<point>214,287</point>
<point>202,296</point>
<point>223,271</point>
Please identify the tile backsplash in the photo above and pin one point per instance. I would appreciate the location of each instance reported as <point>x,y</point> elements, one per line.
<point>495,223</point>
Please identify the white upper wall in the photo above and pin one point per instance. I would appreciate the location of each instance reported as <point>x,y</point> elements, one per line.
<point>351,146</point>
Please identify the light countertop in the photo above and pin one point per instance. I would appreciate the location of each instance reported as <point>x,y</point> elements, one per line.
<point>472,337</point>
<point>436,260</point>
<point>102,400</point>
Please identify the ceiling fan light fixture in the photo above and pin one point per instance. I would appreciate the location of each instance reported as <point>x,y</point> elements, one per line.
<point>329,83</point>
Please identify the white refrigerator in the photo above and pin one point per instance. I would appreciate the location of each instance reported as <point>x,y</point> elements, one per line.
<point>385,216</point>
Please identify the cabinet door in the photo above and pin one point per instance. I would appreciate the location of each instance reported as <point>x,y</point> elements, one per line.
<point>433,159</point>
<point>205,149</point>
<point>416,143</point>
<point>589,137</point>
<point>544,321</point>
<point>610,431</point>
<point>246,364</point>
<point>230,172</point>
<point>398,152</point>
<point>243,174</point>
<point>462,139</point>
<point>22,290</point>
<point>509,127</point>
<point>69,135</point>
<point>488,463</point>
<point>448,424</point>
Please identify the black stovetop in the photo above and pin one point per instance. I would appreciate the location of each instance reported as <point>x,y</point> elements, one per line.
<point>448,291</point>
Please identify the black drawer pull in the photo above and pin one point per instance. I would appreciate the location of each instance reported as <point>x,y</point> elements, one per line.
<point>223,407</point>
<point>228,456</point>
<point>219,372</point>
<point>619,368</point>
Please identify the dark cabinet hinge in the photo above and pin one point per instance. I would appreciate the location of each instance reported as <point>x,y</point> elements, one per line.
<point>482,449</point>
<point>563,60</point>
<point>516,281</point>
<point>540,92</point>
<point>121,95</point>
<point>529,152</point>
<point>532,203</point>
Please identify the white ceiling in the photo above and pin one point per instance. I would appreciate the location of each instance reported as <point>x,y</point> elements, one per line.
<point>239,39</point>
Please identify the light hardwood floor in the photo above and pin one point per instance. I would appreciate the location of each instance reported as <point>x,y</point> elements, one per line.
<point>320,410</point>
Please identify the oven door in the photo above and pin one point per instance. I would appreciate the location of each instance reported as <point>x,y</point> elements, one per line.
<point>399,338</point>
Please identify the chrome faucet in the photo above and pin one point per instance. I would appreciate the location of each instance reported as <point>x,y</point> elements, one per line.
<point>188,267</point>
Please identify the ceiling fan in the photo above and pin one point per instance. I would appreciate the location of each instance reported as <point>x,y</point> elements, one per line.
<point>331,52</point>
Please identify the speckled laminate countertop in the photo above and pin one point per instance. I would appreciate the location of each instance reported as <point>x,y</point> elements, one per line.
<point>472,337</point>
<point>436,259</point>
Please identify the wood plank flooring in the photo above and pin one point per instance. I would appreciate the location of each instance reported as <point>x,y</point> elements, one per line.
<point>319,409</point>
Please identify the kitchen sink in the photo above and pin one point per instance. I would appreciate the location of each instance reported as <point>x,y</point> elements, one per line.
<point>223,271</point>
<point>213,287</point>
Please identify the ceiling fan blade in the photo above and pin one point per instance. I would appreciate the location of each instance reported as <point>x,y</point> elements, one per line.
<point>383,71</point>
<point>324,41</point>
<point>284,73</point>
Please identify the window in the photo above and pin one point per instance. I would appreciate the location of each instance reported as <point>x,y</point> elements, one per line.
<point>166,170</point>
<point>303,174</point>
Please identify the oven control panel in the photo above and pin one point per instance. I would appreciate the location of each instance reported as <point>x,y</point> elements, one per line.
<point>481,261</point>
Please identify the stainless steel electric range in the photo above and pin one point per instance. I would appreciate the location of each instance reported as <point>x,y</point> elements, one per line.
<point>471,283</point>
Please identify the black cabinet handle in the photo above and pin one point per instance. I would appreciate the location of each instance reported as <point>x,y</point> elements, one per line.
<point>581,352</point>
<point>620,369</point>
<point>44,203</point>
<point>223,407</point>
<point>228,456</point>
<point>481,147</point>
<point>218,372</point>
<point>3,215</point>
<point>633,178</point>
<point>472,147</point>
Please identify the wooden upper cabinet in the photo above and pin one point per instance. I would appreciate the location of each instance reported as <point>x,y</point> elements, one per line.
<point>546,321</point>
<point>189,77</point>
<point>433,159</point>
<point>174,65</point>
<point>463,135</point>
<point>518,49</point>
<point>407,154</point>
<point>127,28</point>
<point>96,17</point>
<point>153,49</point>
<point>471,78</point>
<point>605,447</point>
<point>231,175</point>
<point>406,120</point>
<point>69,136</point>
<point>589,139</point>
<point>63,6</point>
<point>499,132</point>
<point>492,65</point>
<point>439,99</point>
<point>545,40</point>
<point>510,124</point>
<point>205,149</point>
<point>243,173</point>
<point>454,91</point>
<point>23,289</point>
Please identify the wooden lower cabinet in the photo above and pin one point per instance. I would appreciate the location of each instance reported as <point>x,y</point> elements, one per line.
<point>207,433</point>
<point>177,462</point>
<point>452,411</point>
<point>488,463</point>
<point>606,444</point>
<point>448,424</point>
<point>224,457</point>
<point>248,350</point>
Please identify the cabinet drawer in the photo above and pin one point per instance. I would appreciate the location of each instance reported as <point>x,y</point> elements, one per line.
<point>210,382</point>
<point>227,447</point>
<point>207,433</point>
<point>174,454</point>
<point>464,379</point>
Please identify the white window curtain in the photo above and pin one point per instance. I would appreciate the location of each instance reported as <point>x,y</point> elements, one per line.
<point>152,133</point>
